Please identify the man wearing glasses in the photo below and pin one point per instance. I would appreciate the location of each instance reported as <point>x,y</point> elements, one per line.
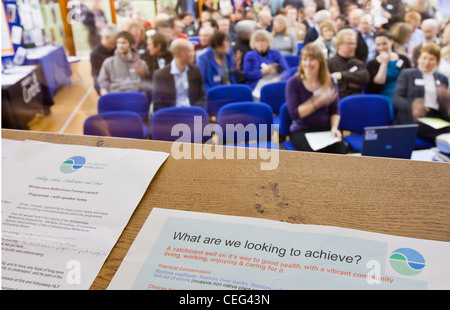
<point>349,72</point>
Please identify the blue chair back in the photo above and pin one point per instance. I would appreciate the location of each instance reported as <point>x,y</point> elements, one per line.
<point>285,121</point>
<point>245,113</point>
<point>123,124</point>
<point>220,95</point>
<point>299,47</point>
<point>359,111</point>
<point>274,95</point>
<point>164,120</point>
<point>285,127</point>
<point>292,60</point>
<point>125,101</point>
<point>293,71</point>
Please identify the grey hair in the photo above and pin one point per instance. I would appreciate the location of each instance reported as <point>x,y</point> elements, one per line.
<point>109,30</point>
<point>321,16</point>
<point>261,34</point>
<point>245,28</point>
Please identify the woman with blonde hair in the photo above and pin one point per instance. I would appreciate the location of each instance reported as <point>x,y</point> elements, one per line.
<point>264,62</point>
<point>312,101</point>
<point>283,39</point>
<point>326,39</point>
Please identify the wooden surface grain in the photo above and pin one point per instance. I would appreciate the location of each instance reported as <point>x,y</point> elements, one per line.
<point>390,196</point>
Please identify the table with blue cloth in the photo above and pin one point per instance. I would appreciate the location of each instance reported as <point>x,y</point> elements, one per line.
<point>54,64</point>
<point>23,96</point>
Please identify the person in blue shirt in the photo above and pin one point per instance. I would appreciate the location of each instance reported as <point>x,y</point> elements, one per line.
<point>217,64</point>
<point>264,62</point>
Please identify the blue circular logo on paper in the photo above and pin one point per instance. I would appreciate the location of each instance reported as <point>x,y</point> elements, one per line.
<point>407,262</point>
<point>73,164</point>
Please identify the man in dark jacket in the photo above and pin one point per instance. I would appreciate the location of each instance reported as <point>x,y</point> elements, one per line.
<point>349,71</point>
<point>180,83</point>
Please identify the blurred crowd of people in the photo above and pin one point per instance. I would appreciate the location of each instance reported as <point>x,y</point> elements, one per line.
<point>399,49</point>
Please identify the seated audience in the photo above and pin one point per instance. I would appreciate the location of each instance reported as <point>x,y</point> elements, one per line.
<point>205,35</point>
<point>354,17</point>
<point>264,20</point>
<point>283,39</point>
<point>394,11</point>
<point>157,55</point>
<point>295,27</point>
<point>401,33</point>
<point>367,32</point>
<point>309,12</point>
<point>327,38</point>
<point>414,19</point>
<point>430,28</point>
<point>124,71</point>
<point>341,22</point>
<point>178,27</point>
<point>165,28</point>
<point>180,83</point>
<point>244,30</point>
<point>189,28</point>
<point>138,33</point>
<point>423,92</point>
<point>314,31</point>
<point>102,51</point>
<point>264,62</point>
<point>349,71</point>
<point>224,25</point>
<point>217,64</point>
<point>385,68</point>
<point>312,101</point>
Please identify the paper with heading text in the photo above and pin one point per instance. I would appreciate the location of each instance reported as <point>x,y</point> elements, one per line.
<point>189,250</point>
<point>63,209</point>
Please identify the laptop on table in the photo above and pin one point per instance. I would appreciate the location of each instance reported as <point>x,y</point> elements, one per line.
<point>389,141</point>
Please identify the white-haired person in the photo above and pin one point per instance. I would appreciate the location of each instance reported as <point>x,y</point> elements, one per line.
<point>263,61</point>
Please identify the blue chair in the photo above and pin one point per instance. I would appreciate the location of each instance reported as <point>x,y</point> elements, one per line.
<point>164,120</point>
<point>122,124</point>
<point>285,124</point>
<point>125,101</point>
<point>422,144</point>
<point>293,71</point>
<point>246,124</point>
<point>274,95</point>
<point>299,47</point>
<point>360,111</point>
<point>292,60</point>
<point>220,95</point>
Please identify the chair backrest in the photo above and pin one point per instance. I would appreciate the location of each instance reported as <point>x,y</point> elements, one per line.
<point>220,95</point>
<point>285,121</point>
<point>292,60</point>
<point>359,111</point>
<point>244,120</point>
<point>299,47</point>
<point>125,101</point>
<point>123,124</point>
<point>293,71</point>
<point>274,95</point>
<point>190,122</point>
